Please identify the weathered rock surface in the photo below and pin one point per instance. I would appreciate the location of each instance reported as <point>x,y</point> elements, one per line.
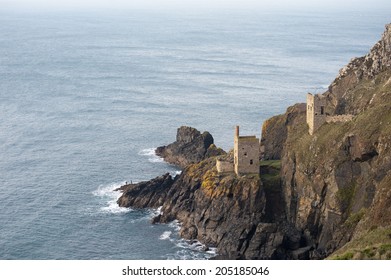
<point>343,95</point>
<point>334,182</point>
<point>151,194</point>
<point>227,212</point>
<point>190,147</point>
<point>276,129</point>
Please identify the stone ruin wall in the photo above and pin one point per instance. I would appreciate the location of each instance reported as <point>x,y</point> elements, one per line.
<point>246,155</point>
<point>224,166</point>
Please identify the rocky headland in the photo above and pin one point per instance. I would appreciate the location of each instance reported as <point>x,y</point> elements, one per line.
<point>326,195</point>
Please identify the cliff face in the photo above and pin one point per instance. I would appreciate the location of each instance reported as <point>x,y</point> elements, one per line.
<point>330,179</point>
<point>336,183</point>
<point>220,211</point>
<point>276,129</point>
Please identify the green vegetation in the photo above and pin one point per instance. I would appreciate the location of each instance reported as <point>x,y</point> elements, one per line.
<point>216,185</point>
<point>270,174</point>
<point>271,163</point>
<point>345,197</point>
<point>375,244</point>
<point>346,256</point>
<point>385,248</point>
<point>353,219</point>
<point>369,93</point>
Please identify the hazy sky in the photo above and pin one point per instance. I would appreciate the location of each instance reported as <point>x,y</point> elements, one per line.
<point>206,4</point>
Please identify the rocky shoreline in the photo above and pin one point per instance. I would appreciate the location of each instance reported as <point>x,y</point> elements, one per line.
<point>223,211</point>
<point>326,195</point>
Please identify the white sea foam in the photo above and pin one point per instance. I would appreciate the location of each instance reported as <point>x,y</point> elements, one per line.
<point>176,225</point>
<point>190,250</point>
<point>111,196</point>
<point>154,212</point>
<point>166,235</point>
<point>194,250</point>
<point>189,254</point>
<point>176,172</point>
<point>158,211</point>
<point>152,157</point>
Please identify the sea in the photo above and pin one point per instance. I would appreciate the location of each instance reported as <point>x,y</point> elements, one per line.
<point>86,96</point>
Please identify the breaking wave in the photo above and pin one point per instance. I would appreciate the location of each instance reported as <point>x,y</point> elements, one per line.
<point>152,157</point>
<point>111,196</point>
<point>187,250</point>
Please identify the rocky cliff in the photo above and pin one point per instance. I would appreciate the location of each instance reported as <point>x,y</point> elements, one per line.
<point>336,183</point>
<point>325,195</point>
<point>276,129</point>
<point>243,217</point>
<point>353,91</point>
<point>223,211</point>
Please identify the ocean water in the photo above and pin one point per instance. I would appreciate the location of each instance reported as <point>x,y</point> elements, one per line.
<point>86,96</point>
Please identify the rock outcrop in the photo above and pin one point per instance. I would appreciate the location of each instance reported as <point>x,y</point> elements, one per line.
<point>149,194</point>
<point>222,211</point>
<point>364,73</point>
<point>276,129</point>
<point>190,147</point>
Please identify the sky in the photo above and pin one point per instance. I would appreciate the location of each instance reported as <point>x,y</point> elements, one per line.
<point>199,4</point>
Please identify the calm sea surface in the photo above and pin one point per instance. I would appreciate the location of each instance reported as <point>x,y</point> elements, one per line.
<point>85,97</point>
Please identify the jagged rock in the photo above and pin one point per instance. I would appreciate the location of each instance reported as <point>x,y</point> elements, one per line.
<point>302,253</point>
<point>217,211</point>
<point>151,193</point>
<point>221,212</point>
<point>376,61</point>
<point>266,243</point>
<point>342,100</point>
<point>190,147</point>
<point>359,149</point>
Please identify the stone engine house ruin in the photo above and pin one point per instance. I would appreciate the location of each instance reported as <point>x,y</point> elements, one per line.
<point>316,115</point>
<point>246,156</point>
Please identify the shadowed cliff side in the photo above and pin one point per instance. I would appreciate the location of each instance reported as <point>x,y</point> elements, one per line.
<point>336,183</point>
